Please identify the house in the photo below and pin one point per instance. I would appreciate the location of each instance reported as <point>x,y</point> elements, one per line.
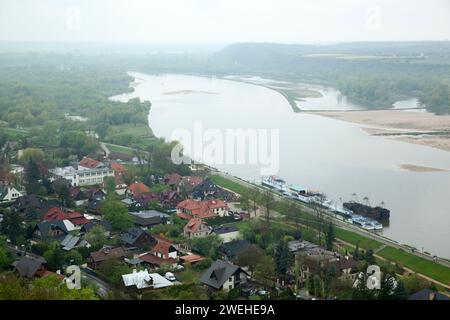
<point>94,206</point>
<point>56,213</point>
<point>70,242</point>
<point>143,199</point>
<point>23,203</point>
<point>191,258</point>
<point>149,218</point>
<point>118,168</point>
<point>347,267</point>
<point>87,172</point>
<point>78,197</point>
<point>172,180</point>
<point>428,294</point>
<point>224,276</point>
<point>165,250</point>
<point>52,229</point>
<point>190,208</point>
<point>96,258</point>
<point>136,237</point>
<point>29,267</point>
<point>188,183</point>
<point>196,227</point>
<point>163,253</point>
<point>90,163</point>
<point>96,194</point>
<point>139,280</point>
<point>137,188</point>
<point>9,193</point>
<point>121,187</point>
<point>227,233</point>
<point>232,249</point>
<point>205,190</point>
<point>106,225</point>
<point>169,199</point>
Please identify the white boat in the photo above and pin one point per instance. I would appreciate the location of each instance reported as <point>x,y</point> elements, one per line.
<point>276,183</point>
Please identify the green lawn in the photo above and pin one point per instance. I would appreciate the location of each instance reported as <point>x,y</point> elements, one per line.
<point>353,238</point>
<point>420,265</point>
<point>114,148</point>
<point>140,130</point>
<point>228,184</point>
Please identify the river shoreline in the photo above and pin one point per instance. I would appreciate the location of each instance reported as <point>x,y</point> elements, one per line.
<point>421,128</point>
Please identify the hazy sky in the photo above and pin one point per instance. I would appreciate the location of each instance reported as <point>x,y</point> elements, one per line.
<point>223,21</point>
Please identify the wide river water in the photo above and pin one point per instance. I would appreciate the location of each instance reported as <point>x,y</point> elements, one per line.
<point>314,151</point>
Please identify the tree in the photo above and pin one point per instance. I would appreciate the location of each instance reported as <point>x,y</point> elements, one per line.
<point>11,226</point>
<point>54,256</point>
<point>32,176</point>
<point>110,186</point>
<point>268,202</point>
<point>250,257</point>
<point>36,155</point>
<point>283,258</point>
<point>207,246</point>
<point>368,256</point>
<point>329,238</point>
<point>265,271</point>
<point>5,256</point>
<point>96,236</point>
<point>61,188</point>
<point>388,286</point>
<point>117,214</point>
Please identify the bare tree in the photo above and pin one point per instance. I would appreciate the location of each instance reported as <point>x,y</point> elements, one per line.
<point>268,201</point>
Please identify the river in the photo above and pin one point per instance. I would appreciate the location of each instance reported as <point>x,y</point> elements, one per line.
<point>315,152</point>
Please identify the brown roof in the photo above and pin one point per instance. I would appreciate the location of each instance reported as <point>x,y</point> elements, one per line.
<point>119,168</point>
<point>162,247</point>
<point>154,260</point>
<point>107,253</point>
<point>193,225</point>
<point>191,258</point>
<point>201,209</point>
<point>89,163</point>
<point>173,178</point>
<point>138,187</point>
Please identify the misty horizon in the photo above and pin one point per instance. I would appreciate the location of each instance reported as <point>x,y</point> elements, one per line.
<point>222,22</point>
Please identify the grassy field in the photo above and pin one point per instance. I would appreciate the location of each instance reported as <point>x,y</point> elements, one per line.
<point>417,264</point>
<point>115,148</point>
<point>227,184</point>
<point>139,130</point>
<point>353,238</point>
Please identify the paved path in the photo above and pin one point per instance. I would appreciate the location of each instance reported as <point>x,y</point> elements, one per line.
<point>105,148</point>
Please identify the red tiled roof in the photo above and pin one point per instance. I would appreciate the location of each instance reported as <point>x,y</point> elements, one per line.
<point>162,247</point>
<point>89,163</point>
<point>138,187</point>
<point>193,225</point>
<point>55,213</point>
<point>119,168</point>
<point>80,221</point>
<point>200,209</point>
